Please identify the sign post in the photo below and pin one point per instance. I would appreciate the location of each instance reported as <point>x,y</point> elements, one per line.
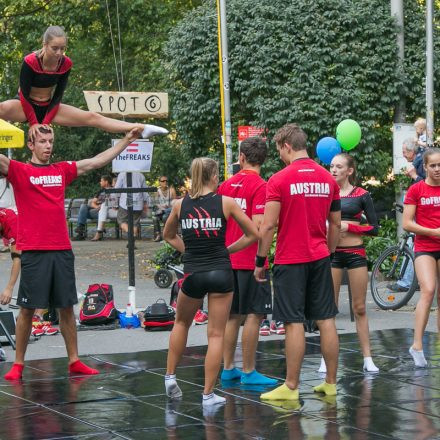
<point>128,104</point>
<point>136,157</point>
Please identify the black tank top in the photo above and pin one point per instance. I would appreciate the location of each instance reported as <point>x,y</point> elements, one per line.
<point>203,231</point>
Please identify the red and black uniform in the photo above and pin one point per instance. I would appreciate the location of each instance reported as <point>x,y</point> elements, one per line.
<point>249,191</point>
<point>47,262</point>
<point>302,275</point>
<point>426,198</point>
<point>353,206</point>
<point>32,74</point>
<point>8,222</point>
<point>206,260</point>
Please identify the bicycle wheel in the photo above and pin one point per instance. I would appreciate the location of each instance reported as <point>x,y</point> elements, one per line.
<point>389,268</point>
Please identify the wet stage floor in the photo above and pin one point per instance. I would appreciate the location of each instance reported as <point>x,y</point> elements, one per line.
<point>127,400</point>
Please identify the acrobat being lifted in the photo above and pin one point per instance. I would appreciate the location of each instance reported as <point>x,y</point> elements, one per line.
<point>43,80</point>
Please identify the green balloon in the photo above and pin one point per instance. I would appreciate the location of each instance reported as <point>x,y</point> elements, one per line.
<point>348,134</point>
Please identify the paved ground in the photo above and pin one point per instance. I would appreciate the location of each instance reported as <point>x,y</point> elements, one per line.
<point>107,262</point>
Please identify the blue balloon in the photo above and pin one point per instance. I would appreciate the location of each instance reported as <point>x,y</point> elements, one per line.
<point>327,149</point>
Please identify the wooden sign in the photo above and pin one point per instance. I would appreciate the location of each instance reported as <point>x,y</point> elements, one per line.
<point>128,104</point>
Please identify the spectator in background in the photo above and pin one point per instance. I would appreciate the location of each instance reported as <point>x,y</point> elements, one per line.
<point>420,139</point>
<point>414,156</point>
<point>108,210</point>
<point>141,200</point>
<point>165,196</point>
<point>90,210</point>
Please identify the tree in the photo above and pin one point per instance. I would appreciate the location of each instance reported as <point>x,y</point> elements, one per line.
<point>314,63</point>
<point>144,30</point>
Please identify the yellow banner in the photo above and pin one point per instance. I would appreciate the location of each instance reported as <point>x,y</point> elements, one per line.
<point>10,136</point>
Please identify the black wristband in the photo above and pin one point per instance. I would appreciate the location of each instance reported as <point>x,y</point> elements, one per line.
<point>15,255</point>
<point>259,261</point>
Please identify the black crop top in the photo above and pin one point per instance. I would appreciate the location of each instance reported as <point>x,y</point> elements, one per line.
<point>33,75</point>
<point>203,232</point>
<point>353,205</point>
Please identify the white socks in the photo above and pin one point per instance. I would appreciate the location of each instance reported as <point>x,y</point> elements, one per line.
<point>171,387</point>
<point>419,357</point>
<point>152,130</point>
<point>212,399</point>
<point>369,365</point>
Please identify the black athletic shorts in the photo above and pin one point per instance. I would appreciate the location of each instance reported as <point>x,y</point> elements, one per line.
<point>249,295</point>
<point>433,254</point>
<point>40,108</point>
<point>198,284</point>
<point>303,291</point>
<point>47,277</point>
<point>349,257</point>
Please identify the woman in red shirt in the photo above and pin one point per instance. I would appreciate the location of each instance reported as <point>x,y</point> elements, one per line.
<point>43,80</point>
<point>421,215</point>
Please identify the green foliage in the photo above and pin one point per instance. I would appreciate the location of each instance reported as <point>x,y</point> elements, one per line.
<point>144,29</point>
<point>166,252</point>
<point>387,236</point>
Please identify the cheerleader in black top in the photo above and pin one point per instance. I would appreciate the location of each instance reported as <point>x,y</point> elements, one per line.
<point>202,217</point>
<point>350,251</point>
<point>43,80</point>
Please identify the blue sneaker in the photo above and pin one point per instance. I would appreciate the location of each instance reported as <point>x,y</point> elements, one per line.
<point>256,378</point>
<point>232,374</point>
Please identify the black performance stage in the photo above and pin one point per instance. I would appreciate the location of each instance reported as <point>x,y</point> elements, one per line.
<point>127,400</point>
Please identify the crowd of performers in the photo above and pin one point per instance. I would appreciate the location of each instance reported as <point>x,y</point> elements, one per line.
<point>226,235</point>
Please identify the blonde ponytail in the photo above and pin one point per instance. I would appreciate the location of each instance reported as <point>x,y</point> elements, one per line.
<point>202,170</point>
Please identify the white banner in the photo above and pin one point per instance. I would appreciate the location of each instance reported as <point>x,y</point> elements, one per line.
<point>136,157</point>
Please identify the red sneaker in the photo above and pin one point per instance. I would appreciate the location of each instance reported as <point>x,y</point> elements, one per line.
<point>200,318</point>
<point>37,331</point>
<point>48,329</point>
<point>265,328</point>
<point>277,328</point>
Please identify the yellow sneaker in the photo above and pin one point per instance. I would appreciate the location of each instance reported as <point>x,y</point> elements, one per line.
<point>282,392</point>
<point>329,389</point>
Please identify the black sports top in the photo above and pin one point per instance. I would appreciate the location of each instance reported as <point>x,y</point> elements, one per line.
<point>353,205</point>
<point>203,231</point>
<point>33,75</point>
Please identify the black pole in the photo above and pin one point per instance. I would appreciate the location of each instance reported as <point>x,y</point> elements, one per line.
<point>131,270</point>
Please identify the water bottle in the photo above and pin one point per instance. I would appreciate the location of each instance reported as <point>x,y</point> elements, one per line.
<point>129,311</point>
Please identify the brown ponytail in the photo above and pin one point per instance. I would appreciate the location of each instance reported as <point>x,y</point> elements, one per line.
<point>202,170</point>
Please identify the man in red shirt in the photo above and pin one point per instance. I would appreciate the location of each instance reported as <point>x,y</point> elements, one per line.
<point>251,300</point>
<point>301,199</point>
<point>47,262</point>
<point>8,231</point>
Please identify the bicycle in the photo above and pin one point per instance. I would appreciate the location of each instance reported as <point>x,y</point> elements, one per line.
<point>389,268</point>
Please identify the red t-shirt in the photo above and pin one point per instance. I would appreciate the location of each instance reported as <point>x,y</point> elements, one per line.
<point>8,221</point>
<point>39,194</point>
<point>306,192</point>
<point>249,191</point>
<point>427,201</point>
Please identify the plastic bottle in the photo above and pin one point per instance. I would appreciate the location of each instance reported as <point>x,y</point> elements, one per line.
<point>129,311</point>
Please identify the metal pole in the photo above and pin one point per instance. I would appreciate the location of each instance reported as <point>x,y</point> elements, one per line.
<point>429,72</point>
<point>131,270</point>
<point>227,101</point>
<point>397,12</point>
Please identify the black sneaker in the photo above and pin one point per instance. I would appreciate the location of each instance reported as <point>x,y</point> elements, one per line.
<point>396,287</point>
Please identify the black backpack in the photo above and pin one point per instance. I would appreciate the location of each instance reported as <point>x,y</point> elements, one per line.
<point>98,306</point>
<point>159,316</point>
